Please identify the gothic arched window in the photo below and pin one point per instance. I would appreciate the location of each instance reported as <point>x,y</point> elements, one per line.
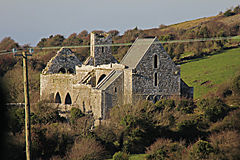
<point>57,98</point>
<point>68,99</point>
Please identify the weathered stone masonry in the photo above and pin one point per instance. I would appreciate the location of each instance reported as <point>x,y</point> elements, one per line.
<point>98,84</point>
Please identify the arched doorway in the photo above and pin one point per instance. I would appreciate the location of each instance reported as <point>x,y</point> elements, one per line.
<point>70,71</point>
<point>68,99</point>
<point>57,98</point>
<point>62,70</point>
<point>101,78</point>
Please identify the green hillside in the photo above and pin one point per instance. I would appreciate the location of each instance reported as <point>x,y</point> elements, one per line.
<point>207,73</point>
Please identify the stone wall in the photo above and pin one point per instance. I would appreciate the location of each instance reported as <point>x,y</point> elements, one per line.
<point>127,86</point>
<point>64,62</point>
<point>166,72</point>
<point>88,99</point>
<point>186,91</point>
<point>100,49</point>
<point>113,95</point>
<point>51,84</point>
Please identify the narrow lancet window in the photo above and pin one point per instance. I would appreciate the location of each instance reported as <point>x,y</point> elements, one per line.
<point>155,79</point>
<point>155,60</point>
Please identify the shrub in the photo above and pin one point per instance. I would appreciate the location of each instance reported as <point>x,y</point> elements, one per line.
<point>76,113</point>
<point>226,145</point>
<point>108,138</point>
<point>16,119</point>
<point>185,106</point>
<point>192,127</point>
<point>121,156</point>
<point>228,13</point>
<point>236,85</point>
<point>133,125</point>
<point>83,126</point>
<point>200,150</point>
<point>44,113</point>
<point>165,104</point>
<point>230,122</point>
<point>165,149</point>
<point>213,108</point>
<point>49,140</point>
<point>15,144</point>
<point>86,148</point>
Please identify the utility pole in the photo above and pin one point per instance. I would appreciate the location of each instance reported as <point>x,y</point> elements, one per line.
<point>27,102</point>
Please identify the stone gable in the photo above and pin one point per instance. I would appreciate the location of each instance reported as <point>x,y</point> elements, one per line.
<point>64,62</point>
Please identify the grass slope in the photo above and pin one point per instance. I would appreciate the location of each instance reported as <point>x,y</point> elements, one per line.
<point>205,74</point>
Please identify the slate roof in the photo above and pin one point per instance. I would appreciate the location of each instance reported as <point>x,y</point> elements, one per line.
<point>136,52</point>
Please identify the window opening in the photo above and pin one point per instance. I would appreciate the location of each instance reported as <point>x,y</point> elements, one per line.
<point>84,109</point>
<point>68,99</point>
<point>155,59</point>
<point>70,70</point>
<point>101,78</point>
<point>155,79</point>
<point>57,98</point>
<point>62,70</point>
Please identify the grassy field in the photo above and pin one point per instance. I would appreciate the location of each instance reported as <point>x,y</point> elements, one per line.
<point>135,157</point>
<point>205,74</point>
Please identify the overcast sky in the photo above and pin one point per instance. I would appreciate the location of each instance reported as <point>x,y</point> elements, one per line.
<point>27,21</point>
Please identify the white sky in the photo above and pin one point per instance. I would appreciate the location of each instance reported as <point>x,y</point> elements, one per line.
<point>27,21</point>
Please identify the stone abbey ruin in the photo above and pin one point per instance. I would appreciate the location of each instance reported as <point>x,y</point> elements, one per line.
<point>145,73</point>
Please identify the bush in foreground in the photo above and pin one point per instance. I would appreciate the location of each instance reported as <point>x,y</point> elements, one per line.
<point>86,148</point>
<point>121,156</point>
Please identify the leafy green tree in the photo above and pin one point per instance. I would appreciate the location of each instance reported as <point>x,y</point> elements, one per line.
<point>201,150</point>
<point>228,13</point>
<point>236,10</point>
<point>114,33</point>
<point>76,113</point>
<point>134,125</point>
<point>8,43</point>
<point>55,41</point>
<point>44,113</point>
<point>213,108</point>
<point>16,119</point>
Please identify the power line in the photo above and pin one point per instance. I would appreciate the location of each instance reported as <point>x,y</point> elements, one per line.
<point>128,44</point>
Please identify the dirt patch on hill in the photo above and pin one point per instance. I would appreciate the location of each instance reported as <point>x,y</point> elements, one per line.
<point>196,81</point>
<point>206,83</point>
<point>213,85</point>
